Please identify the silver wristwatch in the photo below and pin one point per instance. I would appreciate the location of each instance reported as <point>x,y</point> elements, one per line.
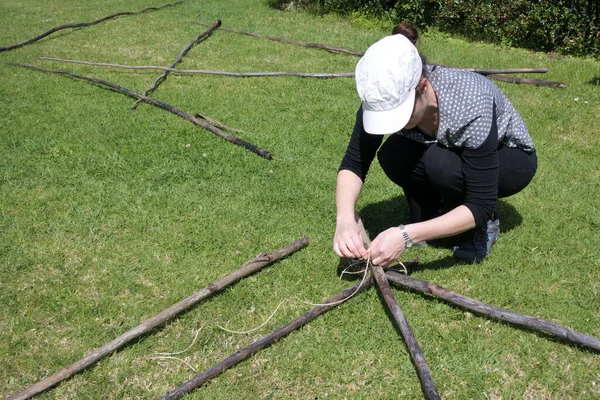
<point>407,242</point>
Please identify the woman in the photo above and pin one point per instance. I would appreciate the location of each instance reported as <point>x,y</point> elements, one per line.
<point>457,145</point>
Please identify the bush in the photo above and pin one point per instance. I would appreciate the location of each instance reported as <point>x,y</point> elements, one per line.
<point>566,26</point>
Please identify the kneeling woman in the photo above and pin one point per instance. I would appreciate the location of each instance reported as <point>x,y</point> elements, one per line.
<point>457,145</point>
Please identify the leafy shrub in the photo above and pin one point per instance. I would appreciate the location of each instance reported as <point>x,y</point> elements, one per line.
<point>567,26</point>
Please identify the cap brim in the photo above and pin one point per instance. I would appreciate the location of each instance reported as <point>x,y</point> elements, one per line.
<point>388,121</point>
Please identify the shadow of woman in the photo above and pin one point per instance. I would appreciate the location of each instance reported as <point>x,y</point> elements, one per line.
<point>380,216</point>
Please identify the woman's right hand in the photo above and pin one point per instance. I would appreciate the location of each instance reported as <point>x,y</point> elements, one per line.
<point>347,241</point>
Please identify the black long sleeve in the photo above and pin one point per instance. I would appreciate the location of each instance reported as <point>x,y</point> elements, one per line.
<point>361,149</point>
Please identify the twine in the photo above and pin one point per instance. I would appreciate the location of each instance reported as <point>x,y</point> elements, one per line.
<point>365,272</point>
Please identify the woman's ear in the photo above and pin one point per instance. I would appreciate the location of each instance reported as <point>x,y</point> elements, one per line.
<point>422,86</point>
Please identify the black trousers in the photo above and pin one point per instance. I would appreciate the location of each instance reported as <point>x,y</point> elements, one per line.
<point>432,178</point>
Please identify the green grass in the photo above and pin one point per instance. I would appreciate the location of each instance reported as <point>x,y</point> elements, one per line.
<point>107,216</point>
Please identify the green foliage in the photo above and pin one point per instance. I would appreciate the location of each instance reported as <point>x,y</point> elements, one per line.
<point>567,26</point>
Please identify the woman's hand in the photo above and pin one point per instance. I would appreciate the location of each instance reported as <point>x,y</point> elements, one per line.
<point>347,241</point>
<point>387,247</point>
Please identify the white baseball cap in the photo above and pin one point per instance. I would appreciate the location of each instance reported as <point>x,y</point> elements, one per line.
<point>386,78</point>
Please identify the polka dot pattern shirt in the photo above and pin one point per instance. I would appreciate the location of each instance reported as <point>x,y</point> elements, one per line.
<point>466,102</point>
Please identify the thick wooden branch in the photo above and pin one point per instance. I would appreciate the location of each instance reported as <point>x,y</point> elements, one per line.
<point>158,103</point>
<point>501,314</point>
<point>484,71</point>
<point>249,267</point>
<point>537,82</point>
<point>182,53</point>
<point>416,355</point>
<point>204,71</point>
<point>266,341</point>
<point>83,24</point>
<point>295,42</point>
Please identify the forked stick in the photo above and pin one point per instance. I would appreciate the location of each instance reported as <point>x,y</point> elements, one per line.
<point>182,53</point>
<point>266,341</point>
<point>501,314</point>
<point>249,267</point>
<point>158,103</point>
<point>82,24</point>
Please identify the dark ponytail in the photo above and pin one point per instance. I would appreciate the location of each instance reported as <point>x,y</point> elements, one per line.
<point>407,30</point>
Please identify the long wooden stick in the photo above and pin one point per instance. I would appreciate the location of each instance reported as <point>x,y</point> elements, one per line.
<point>158,103</point>
<point>537,82</point>
<point>491,73</point>
<point>266,341</point>
<point>484,71</point>
<point>416,355</point>
<point>182,53</point>
<point>82,24</point>
<point>501,314</point>
<point>303,44</point>
<point>249,267</point>
<point>204,71</point>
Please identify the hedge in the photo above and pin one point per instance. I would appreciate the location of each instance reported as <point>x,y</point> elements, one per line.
<point>565,26</point>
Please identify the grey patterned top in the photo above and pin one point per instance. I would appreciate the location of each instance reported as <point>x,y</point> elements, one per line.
<point>466,100</point>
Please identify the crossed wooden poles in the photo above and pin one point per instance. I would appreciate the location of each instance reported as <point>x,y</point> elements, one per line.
<point>205,122</point>
<point>378,275</point>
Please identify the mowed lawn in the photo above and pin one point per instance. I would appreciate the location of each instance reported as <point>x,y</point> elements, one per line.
<point>110,215</point>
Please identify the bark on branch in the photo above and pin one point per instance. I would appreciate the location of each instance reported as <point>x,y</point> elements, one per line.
<point>249,267</point>
<point>83,24</point>
<point>295,42</point>
<point>416,355</point>
<point>158,103</point>
<point>204,71</point>
<point>501,314</point>
<point>537,82</point>
<point>264,342</point>
<point>182,53</point>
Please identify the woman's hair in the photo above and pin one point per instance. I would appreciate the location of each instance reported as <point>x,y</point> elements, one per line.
<point>407,30</point>
<point>411,33</point>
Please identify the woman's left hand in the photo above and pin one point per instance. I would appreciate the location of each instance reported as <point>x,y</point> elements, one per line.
<point>387,247</point>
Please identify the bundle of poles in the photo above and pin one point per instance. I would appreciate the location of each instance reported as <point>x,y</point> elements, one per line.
<point>378,275</point>
<point>208,123</point>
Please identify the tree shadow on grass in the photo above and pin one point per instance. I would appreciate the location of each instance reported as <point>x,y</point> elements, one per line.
<point>595,81</point>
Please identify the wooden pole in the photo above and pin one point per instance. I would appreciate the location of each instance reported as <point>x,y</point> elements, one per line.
<point>249,267</point>
<point>416,355</point>
<point>501,314</point>
<point>295,42</point>
<point>484,71</point>
<point>182,53</point>
<point>82,24</point>
<point>158,103</point>
<point>206,72</point>
<point>537,82</point>
<point>264,342</point>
